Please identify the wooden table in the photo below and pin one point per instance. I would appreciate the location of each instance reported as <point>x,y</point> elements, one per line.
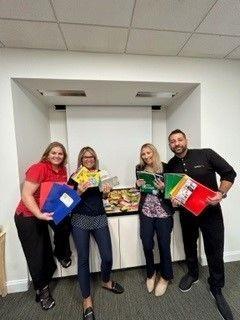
<point>3,287</point>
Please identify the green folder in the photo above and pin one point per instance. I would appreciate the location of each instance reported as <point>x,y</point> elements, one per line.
<point>171,180</point>
<point>150,181</point>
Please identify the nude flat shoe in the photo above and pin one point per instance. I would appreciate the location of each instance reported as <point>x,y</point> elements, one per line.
<point>161,287</point>
<point>150,283</point>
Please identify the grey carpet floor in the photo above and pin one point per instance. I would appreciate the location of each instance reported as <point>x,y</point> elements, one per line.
<point>135,303</point>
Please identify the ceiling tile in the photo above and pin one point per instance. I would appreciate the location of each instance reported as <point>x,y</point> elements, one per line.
<point>224,18</point>
<point>235,54</point>
<point>101,12</point>
<point>25,34</point>
<point>176,15</point>
<point>26,10</point>
<point>202,45</point>
<point>94,39</point>
<point>156,42</point>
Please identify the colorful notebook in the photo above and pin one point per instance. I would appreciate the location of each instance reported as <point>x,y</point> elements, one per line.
<point>83,175</point>
<point>150,179</point>
<point>192,194</point>
<point>170,181</point>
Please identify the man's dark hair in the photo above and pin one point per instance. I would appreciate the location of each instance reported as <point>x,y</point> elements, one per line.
<point>175,132</point>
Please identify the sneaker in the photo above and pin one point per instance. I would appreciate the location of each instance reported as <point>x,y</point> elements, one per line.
<point>150,283</point>
<point>88,314</point>
<point>44,297</point>
<point>161,287</point>
<point>186,282</point>
<point>222,305</point>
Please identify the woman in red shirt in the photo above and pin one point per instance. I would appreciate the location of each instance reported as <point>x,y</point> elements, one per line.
<point>32,224</point>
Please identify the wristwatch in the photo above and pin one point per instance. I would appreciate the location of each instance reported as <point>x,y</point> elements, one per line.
<point>224,194</point>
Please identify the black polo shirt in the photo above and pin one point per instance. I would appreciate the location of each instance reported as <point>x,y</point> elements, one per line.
<point>202,165</point>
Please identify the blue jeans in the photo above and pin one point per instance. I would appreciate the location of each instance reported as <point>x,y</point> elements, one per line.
<point>163,228</point>
<point>82,239</point>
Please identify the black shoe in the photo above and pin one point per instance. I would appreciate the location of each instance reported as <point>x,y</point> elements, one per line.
<point>88,314</point>
<point>116,288</point>
<point>45,298</point>
<point>65,262</point>
<point>186,282</point>
<point>222,305</point>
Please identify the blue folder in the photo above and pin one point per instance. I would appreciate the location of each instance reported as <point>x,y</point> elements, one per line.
<point>61,200</point>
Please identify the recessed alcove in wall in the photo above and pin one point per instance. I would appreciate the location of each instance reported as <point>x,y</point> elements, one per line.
<point>37,122</point>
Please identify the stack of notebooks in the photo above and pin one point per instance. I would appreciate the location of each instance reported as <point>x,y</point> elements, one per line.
<point>191,194</point>
<point>59,199</point>
<point>95,178</point>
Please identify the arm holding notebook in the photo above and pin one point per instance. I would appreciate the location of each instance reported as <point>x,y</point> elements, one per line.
<point>29,188</point>
<point>221,194</point>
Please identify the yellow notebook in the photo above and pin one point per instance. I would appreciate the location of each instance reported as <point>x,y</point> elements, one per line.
<point>84,175</point>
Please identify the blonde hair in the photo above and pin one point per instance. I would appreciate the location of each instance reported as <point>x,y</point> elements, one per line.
<point>93,153</point>
<point>157,164</point>
<point>50,147</point>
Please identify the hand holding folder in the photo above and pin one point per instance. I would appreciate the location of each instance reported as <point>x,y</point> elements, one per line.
<point>150,181</point>
<point>60,200</point>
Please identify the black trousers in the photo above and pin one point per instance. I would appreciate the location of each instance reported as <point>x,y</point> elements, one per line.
<point>210,222</point>
<point>34,236</point>
<point>61,238</point>
<point>163,228</point>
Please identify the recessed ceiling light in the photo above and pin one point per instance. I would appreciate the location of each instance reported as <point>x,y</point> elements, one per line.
<point>63,93</point>
<point>148,94</point>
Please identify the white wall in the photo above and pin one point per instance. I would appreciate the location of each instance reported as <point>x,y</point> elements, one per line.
<point>32,135</point>
<point>58,126</point>
<point>159,133</point>
<point>116,133</point>
<point>32,127</point>
<point>185,114</point>
<point>220,114</point>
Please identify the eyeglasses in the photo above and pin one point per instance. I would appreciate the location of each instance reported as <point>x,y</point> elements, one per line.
<point>88,157</point>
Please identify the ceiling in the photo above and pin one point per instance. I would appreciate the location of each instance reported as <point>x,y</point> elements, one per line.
<point>188,28</point>
<point>106,93</point>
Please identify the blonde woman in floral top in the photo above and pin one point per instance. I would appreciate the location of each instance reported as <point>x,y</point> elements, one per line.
<point>155,217</point>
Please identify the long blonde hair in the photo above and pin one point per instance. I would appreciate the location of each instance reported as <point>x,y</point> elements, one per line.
<point>93,153</point>
<point>157,164</point>
<point>50,147</point>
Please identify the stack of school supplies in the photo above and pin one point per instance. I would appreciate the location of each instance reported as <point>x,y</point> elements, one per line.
<point>83,175</point>
<point>192,195</point>
<point>59,199</point>
<point>170,181</point>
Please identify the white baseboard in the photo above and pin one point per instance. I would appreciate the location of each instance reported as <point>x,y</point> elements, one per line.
<point>228,257</point>
<point>17,285</point>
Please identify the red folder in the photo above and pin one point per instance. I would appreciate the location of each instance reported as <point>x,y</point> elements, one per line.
<point>192,195</point>
<point>44,191</point>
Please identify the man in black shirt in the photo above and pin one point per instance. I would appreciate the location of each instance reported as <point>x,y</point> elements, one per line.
<point>202,165</point>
